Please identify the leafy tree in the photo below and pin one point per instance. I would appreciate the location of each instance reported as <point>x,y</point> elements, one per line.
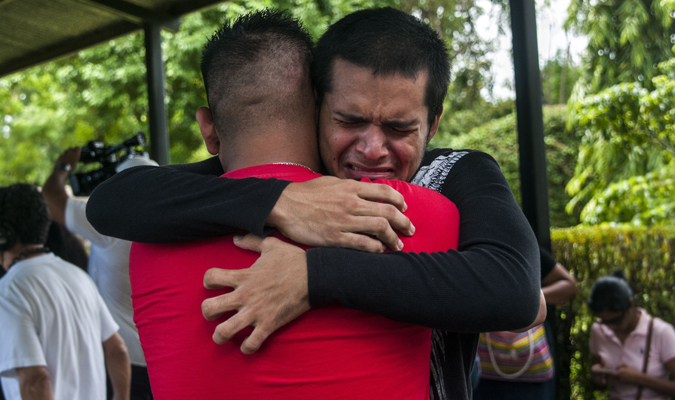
<point>499,138</point>
<point>627,40</point>
<point>625,111</point>
<point>558,77</point>
<point>626,164</point>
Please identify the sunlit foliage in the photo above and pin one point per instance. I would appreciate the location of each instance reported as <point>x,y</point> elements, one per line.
<point>624,104</point>
<point>627,40</point>
<point>625,167</point>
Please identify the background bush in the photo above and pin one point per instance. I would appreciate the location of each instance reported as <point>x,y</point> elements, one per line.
<point>646,256</point>
<point>499,138</point>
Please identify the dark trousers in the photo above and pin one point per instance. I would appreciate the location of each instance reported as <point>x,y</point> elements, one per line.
<point>503,390</point>
<point>140,384</point>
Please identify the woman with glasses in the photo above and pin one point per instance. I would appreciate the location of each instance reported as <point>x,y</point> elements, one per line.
<point>633,352</point>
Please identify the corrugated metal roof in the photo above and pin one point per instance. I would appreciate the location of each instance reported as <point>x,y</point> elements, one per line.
<point>36,31</point>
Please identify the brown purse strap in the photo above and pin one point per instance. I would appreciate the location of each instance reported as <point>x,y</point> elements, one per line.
<point>645,363</point>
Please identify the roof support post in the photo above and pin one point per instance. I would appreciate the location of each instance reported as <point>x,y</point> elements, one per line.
<point>532,153</point>
<point>157,116</point>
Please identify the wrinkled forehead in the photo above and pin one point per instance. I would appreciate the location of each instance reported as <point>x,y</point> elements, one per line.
<point>339,64</point>
<point>357,90</point>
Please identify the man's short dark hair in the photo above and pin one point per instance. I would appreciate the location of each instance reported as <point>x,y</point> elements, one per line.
<point>387,41</point>
<point>25,209</point>
<point>257,60</point>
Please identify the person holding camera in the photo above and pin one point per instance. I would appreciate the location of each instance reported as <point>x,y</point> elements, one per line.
<point>632,351</point>
<point>108,261</point>
<point>56,331</point>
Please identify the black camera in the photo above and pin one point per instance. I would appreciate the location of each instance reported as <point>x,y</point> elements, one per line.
<point>97,152</point>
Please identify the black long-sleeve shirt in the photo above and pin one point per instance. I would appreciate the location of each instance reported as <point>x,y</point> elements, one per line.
<point>490,283</point>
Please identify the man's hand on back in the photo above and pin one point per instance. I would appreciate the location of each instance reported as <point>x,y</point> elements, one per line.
<point>270,294</point>
<point>332,212</point>
<point>324,212</point>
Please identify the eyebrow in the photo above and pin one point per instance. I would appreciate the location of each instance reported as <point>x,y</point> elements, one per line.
<point>401,124</point>
<point>393,123</point>
<point>350,117</point>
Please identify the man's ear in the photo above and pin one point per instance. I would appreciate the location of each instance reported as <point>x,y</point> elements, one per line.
<point>434,126</point>
<point>208,130</point>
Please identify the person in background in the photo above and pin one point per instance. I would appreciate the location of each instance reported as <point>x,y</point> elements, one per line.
<point>67,246</point>
<point>633,352</point>
<point>559,287</point>
<point>56,331</point>
<point>108,262</point>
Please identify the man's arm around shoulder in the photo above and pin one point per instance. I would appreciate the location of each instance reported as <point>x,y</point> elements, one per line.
<point>179,203</point>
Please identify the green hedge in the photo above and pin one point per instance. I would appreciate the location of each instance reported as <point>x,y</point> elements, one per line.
<point>499,138</point>
<point>647,257</point>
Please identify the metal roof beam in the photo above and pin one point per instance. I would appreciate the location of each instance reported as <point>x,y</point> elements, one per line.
<point>188,7</point>
<point>5,2</point>
<point>136,14</point>
<point>67,47</point>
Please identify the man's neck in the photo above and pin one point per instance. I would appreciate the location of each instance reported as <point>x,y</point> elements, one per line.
<point>265,150</point>
<point>15,255</point>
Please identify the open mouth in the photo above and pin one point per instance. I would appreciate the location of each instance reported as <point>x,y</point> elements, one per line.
<point>357,172</point>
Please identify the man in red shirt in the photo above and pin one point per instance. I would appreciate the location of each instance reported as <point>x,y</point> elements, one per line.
<point>262,123</point>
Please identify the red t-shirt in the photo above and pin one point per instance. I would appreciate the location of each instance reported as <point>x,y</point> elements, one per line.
<point>327,353</point>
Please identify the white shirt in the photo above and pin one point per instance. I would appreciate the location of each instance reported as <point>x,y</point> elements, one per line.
<point>53,316</point>
<point>109,268</point>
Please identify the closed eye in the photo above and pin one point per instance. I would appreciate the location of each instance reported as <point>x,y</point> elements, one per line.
<point>347,123</point>
<point>347,119</point>
<point>403,130</point>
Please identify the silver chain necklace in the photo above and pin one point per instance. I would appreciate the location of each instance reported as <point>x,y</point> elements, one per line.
<point>297,165</point>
